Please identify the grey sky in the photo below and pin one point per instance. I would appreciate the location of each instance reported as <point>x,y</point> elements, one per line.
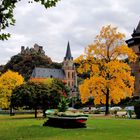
<point>76,21</point>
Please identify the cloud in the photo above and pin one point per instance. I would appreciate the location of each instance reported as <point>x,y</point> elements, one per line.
<point>77,21</point>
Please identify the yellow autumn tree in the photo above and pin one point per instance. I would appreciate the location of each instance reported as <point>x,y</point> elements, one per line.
<point>47,81</point>
<point>8,81</point>
<point>110,77</point>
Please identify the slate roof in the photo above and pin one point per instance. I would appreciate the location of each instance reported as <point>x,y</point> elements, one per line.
<point>48,72</point>
<point>138,27</point>
<point>68,53</point>
<point>135,40</point>
<point>136,31</point>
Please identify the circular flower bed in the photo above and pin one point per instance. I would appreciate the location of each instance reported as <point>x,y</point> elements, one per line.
<point>67,119</point>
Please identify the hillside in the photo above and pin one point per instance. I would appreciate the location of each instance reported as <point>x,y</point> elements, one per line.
<point>28,59</point>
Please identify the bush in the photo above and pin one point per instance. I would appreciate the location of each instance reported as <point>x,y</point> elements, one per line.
<point>137,110</point>
<point>96,112</point>
<point>63,104</point>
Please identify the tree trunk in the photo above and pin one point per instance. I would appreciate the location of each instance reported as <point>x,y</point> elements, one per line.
<point>35,112</point>
<point>11,111</point>
<point>44,114</point>
<point>107,102</point>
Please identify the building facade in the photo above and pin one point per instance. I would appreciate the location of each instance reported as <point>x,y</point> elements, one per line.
<point>66,74</point>
<point>134,43</point>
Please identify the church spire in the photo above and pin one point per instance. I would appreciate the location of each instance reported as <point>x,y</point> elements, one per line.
<point>68,53</point>
<point>136,31</point>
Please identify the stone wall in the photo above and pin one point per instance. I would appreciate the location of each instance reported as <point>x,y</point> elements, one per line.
<point>35,50</point>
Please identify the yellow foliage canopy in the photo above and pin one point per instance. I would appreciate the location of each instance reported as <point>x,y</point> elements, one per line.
<point>47,81</point>
<point>104,60</point>
<point>8,81</point>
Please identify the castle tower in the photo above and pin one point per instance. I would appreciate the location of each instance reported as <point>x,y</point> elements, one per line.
<point>134,43</point>
<point>22,49</point>
<point>69,69</point>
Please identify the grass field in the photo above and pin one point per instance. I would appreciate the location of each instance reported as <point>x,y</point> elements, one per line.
<point>27,128</point>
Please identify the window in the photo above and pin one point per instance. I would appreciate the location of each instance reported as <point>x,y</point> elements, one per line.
<point>68,74</point>
<point>68,83</point>
<point>72,83</point>
<point>72,74</point>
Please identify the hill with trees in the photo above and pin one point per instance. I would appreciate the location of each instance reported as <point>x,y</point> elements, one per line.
<point>28,59</point>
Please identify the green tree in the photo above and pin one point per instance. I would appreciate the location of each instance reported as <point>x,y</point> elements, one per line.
<point>7,16</point>
<point>39,95</point>
<point>30,95</point>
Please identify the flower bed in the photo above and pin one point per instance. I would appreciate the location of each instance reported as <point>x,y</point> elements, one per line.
<point>66,120</point>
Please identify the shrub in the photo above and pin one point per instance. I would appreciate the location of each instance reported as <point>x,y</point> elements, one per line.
<point>137,109</point>
<point>63,104</point>
<point>96,112</point>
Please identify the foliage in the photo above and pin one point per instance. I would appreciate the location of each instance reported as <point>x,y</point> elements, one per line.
<point>78,104</point>
<point>8,82</point>
<point>7,15</point>
<point>1,68</point>
<point>63,104</point>
<point>137,110</point>
<point>24,64</point>
<point>129,101</point>
<point>28,94</point>
<point>54,84</point>
<point>47,81</point>
<point>110,77</point>
<point>41,94</point>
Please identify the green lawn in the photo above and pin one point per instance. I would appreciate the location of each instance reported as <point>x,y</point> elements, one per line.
<point>25,128</point>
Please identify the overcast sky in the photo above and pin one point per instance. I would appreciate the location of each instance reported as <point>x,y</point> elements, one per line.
<point>76,21</point>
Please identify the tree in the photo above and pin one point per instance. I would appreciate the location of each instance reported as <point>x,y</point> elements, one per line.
<point>110,77</point>
<point>7,17</point>
<point>39,94</point>
<point>30,96</point>
<point>8,82</point>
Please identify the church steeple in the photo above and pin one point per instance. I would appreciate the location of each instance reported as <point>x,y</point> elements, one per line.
<point>136,31</point>
<point>68,53</point>
<point>69,69</point>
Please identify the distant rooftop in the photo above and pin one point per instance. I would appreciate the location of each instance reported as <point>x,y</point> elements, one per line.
<point>136,31</point>
<point>48,72</point>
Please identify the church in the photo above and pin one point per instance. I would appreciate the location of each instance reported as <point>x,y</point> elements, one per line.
<point>134,43</point>
<point>68,71</point>
<point>67,74</point>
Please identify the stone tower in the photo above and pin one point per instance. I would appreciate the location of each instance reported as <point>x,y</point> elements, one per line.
<point>134,43</point>
<point>69,69</point>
